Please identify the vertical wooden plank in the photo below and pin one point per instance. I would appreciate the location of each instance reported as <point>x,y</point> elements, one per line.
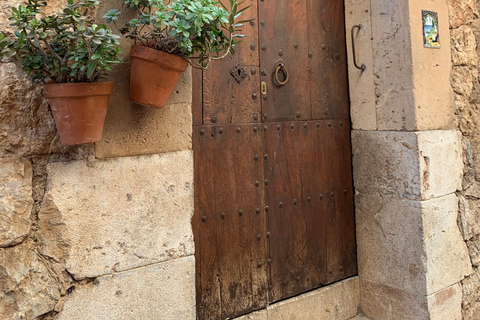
<point>345,205</point>
<point>204,222</point>
<point>284,37</point>
<point>238,191</point>
<point>313,180</point>
<point>286,221</point>
<point>341,254</point>
<point>328,62</point>
<point>225,100</point>
<point>197,97</point>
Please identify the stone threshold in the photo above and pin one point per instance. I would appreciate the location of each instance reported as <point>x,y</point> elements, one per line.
<point>338,301</point>
<point>360,317</point>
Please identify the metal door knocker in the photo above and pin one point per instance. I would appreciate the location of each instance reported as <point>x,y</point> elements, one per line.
<point>281,68</point>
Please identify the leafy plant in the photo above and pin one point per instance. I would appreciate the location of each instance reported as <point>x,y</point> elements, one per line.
<point>202,30</point>
<point>61,48</point>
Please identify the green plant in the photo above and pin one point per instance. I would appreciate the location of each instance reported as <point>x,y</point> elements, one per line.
<point>60,48</point>
<point>202,30</point>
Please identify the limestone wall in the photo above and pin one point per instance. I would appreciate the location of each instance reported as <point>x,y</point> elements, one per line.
<point>465,34</point>
<point>407,162</point>
<point>95,231</point>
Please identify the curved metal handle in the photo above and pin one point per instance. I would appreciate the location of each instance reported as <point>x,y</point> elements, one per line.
<point>362,66</point>
<point>281,67</point>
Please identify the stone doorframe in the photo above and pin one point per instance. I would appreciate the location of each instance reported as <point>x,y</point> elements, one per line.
<point>407,163</point>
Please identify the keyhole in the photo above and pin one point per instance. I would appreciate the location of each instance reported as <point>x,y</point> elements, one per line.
<point>239,72</point>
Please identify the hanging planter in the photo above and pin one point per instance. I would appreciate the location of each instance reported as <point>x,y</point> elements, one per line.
<point>70,54</point>
<point>173,35</point>
<point>79,110</point>
<point>153,75</point>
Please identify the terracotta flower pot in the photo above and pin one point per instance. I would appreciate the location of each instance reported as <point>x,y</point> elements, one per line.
<point>153,75</point>
<point>79,110</point>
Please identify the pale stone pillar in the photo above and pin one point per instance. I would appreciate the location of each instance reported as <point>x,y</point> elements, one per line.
<point>407,159</point>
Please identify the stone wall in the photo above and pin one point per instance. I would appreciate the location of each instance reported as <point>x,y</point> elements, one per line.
<point>465,34</point>
<point>407,163</point>
<point>95,231</point>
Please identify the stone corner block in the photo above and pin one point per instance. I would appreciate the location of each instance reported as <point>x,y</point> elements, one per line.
<point>447,258</point>
<point>380,301</point>
<point>441,163</point>
<point>390,242</point>
<point>414,246</point>
<point>115,215</point>
<point>446,303</point>
<point>410,165</point>
<point>387,163</point>
<point>163,291</point>
<point>16,200</point>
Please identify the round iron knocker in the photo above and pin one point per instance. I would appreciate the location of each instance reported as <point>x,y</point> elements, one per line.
<point>281,67</point>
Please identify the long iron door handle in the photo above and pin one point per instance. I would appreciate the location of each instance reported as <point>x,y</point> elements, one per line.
<point>362,66</point>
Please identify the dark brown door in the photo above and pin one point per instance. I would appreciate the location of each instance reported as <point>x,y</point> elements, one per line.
<point>273,183</point>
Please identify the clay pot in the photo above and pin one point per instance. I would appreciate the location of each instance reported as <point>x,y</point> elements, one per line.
<point>153,75</point>
<point>79,110</point>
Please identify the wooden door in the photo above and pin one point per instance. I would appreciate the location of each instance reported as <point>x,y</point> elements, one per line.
<point>273,182</point>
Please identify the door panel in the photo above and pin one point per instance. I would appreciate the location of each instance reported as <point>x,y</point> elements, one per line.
<point>274,210</point>
<point>233,230</point>
<point>328,59</point>
<point>284,37</point>
<point>226,101</point>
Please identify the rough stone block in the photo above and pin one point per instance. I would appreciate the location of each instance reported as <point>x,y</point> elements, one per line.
<point>411,165</point>
<point>15,200</point>
<point>26,123</point>
<point>446,303</point>
<point>114,215</point>
<point>361,83</point>
<point>380,302</point>
<point>163,291</point>
<point>464,46</point>
<point>27,289</point>
<point>461,12</point>
<point>469,217</point>
<point>462,80</point>
<point>338,301</point>
<point>472,313</point>
<point>471,294</point>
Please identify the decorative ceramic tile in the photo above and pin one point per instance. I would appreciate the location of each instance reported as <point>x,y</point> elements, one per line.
<point>431,37</point>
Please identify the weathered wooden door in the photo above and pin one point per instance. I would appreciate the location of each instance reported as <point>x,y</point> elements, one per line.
<point>273,183</point>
